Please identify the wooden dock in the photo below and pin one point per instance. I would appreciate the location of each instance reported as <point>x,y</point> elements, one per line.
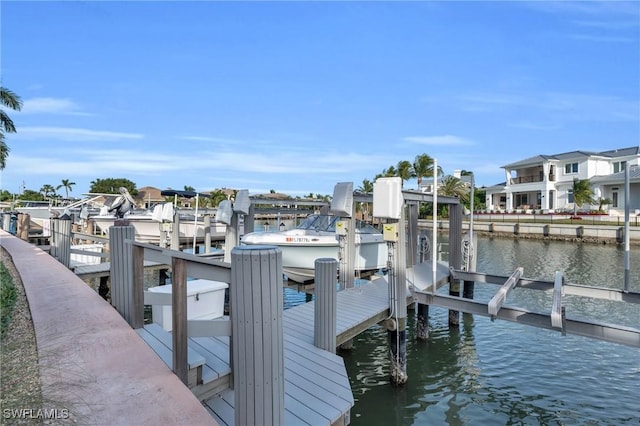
<point>317,389</point>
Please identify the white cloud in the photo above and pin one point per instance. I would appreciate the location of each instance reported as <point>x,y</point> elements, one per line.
<point>446,140</point>
<point>51,106</point>
<point>73,134</point>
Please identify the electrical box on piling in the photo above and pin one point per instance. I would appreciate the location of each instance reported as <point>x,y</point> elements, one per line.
<point>390,232</point>
<point>387,198</point>
<point>342,227</point>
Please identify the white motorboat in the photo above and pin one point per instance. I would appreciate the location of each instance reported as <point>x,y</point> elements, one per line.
<point>149,225</point>
<point>41,211</point>
<point>316,238</point>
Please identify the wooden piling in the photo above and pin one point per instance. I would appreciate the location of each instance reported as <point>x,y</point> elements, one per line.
<point>397,334</point>
<point>175,232</point>
<point>415,256</point>
<point>61,240</point>
<point>232,236</point>
<point>6,221</point>
<point>207,233</point>
<point>324,325</point>
<point>455,256</point>
<point>179,318</point>
<point>256,298</point>
<point>121,269</point>
<point>23,226</point>
<point>422,332</point>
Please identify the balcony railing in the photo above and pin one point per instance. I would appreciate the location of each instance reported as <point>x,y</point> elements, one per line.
<point>525,179</point>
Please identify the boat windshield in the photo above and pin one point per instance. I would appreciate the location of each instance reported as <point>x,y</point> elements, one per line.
<point>319,222</point>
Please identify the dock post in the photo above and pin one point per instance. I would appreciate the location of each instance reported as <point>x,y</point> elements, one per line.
<point>256,298</point>
<point>231,236</point>
<point>249,219</point>
<point>62,240</point>
<point>414,256</point>
<point>324,324</point>
<point>455,256</point>
<point>179,318</point>
<point>23,226</point>
<point>53,239</point>
<point>137,291</point>
<point>398,335</point>
<point>6,221</point>
<point>207,233</point>
<point>175,232</point>
<point>121,269</point>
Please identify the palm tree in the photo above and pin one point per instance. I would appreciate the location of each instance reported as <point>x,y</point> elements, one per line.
<point>66,184</point>
<point>423,167</point>
<point>13,101</point>
<point>48,191</point>
<point>582,193</point>
<point>405,170</point>
<point>390,172</point>
<point>603,202</point>
<point>453,187</point>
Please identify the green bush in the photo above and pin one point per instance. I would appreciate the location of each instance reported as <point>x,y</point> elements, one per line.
<point>7,299</point>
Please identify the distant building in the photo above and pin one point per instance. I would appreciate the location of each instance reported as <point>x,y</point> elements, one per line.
<point>544,182</point>
<point>148,196</point>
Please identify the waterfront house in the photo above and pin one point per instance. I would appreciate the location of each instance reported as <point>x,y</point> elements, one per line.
<point>544,182</point>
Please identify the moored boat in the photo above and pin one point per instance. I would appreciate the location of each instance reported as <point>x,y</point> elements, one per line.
<point>316,238</point>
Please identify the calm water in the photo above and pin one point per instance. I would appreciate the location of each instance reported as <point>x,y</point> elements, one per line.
<point>501,373</point>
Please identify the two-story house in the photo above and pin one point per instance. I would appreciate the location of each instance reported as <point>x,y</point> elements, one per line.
<point>545,182</point>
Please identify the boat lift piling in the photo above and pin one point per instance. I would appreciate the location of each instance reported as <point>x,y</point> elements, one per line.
<point>342,205</point>
<point>388,203</point>
<point>416,254</point>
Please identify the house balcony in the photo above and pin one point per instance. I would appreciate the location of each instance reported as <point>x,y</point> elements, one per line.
<point>524,179</point>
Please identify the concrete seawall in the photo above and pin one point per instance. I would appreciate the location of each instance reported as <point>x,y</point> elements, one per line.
<point>92,363</point>
<point>609,234</point>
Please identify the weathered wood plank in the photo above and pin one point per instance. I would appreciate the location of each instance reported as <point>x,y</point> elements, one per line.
<point>179,320</point>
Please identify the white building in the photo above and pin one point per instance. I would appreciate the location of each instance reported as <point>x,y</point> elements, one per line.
<point>545,182</point>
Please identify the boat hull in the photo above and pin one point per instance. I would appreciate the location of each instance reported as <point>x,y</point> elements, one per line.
<point>148,230</point>
<point>298,259</point>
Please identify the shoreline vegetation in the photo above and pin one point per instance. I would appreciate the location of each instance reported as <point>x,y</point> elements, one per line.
<point>20,389</point>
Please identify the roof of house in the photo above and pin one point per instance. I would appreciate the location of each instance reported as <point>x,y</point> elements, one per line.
<point>634,176</point>
<point>149,193</point>
<point>538,159</point>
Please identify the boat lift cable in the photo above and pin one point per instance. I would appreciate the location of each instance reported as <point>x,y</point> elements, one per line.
<point>342,263</point>
<point>391,280</point>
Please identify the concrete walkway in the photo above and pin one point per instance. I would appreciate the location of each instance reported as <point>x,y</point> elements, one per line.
<point>91,361</point>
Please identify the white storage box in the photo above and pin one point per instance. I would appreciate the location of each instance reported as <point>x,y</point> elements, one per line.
<point>205,300</point>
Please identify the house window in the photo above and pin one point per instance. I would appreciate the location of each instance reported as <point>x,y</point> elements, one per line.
<point>614,197</point>
<point>619,166</point>
<point>570,168</point>
<point>570,195</point>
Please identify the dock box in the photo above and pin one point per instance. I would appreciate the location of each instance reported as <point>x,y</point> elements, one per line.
<point>205,300</point>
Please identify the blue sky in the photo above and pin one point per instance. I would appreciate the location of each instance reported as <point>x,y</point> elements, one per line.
<point>297,96</point>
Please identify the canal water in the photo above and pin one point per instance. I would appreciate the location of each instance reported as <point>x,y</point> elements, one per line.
<point>501,373</point>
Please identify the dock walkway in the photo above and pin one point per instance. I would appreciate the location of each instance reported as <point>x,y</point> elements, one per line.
<point>317,389</point>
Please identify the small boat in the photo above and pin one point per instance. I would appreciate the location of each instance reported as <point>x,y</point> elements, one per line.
<point>316,238</point>
<point>41,211</point>
<point>149,224</point>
